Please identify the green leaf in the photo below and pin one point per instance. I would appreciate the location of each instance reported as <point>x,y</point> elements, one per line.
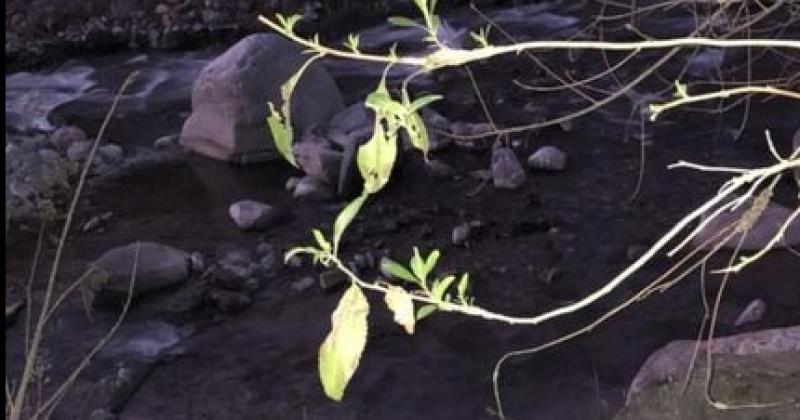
<point>423,101</point>
<point>417,265</point>
<point>425,310</point>
<point>323,243</point>
<point>281,135</point>
<point>403,22</point>
<point>462,288</point>
<point>440,286</point>
<point>341,351</point>
<point>681,90</point>
<point>397,270</point>
<point>430,262</point>
<point>352,42</point>
<point>401,304</point>
<point>344,218</point>
<point>299,250</point>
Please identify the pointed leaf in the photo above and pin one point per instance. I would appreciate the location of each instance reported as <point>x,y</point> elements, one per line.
<point>425,310</point>
<point>281,135</point>
<point>401,304</point>
<point>341,351</point>
<point>440,286</point>
<point>344,218</point>
<point>321,241</point>
<point>396,270</point>
<point>462,288</point>
<point>433,258</point>
<point>403,21</point>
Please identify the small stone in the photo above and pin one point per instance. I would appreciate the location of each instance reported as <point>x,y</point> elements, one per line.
<point>303,284</point>
<point>102,414</point>
<point>65,136</point>
<point>197,264</point>
<point>438,169</point>
<point>332,279</point>
<point>292,182</point>
<point>111,153</point>
<point>312,189</point>
<point>253,215</point>
<point>754,312</point>
<point>79,151</point>
<point>267,262</point>
<point>507,172</point>
<point>461,234</point>
<point>548,158</point>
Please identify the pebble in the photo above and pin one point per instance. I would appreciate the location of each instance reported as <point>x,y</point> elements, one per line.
<point>438,169</point>
<point>253,215</point>
<point>754,312</point>
<point>507,172</point>
<point>548,158</point>
<point>303,284</point>
<point>460,234</point>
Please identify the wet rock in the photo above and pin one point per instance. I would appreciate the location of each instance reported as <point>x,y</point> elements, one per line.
<point>295,262</point>
<point>507,172</point>
<point>462,128</point>
<point>229,99</point>
<point>158,266</point>
<point>312,189</point>
<point>254,215</point>
<point>303,284</point>
<point>770,222</point>
<point>66,136</point>
<point>670,363</point>
<point>481,174</point>
<point>753,313</point>
<point>548,158</point>
<point>331,280</point>
<point>229,302</point>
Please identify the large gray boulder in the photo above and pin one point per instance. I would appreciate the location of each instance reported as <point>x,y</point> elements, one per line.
<point>754,368</point>
<point>229,99</point>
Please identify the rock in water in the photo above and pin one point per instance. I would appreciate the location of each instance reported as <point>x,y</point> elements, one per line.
<point>253,215</point>
<point>507,172</point>
<point>229,99</point>
<point>158,266</point>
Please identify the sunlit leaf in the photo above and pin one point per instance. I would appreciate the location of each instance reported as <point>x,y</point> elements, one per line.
<point>323,243</point>
<point>403,21</point>
<point>401,304</point>
<point>344,218</point>
<point>462,288</point>
<point>425,311</point>
<point>440,286</point>
<point>281,135</point>
<point>396,270</point>
<point>341,351</point>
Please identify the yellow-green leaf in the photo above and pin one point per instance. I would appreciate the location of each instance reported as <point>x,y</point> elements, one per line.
<point>281,135</point>
<point>344,218</point>
<point>401,304</point>
<point>341,351</point>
